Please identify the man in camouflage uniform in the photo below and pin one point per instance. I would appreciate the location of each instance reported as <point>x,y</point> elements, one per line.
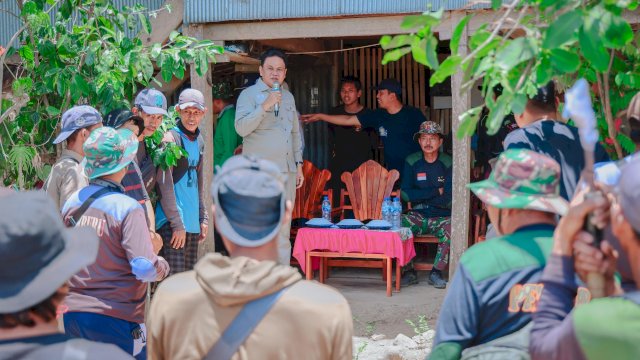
<point>496,287</point>
<point>426,183</point>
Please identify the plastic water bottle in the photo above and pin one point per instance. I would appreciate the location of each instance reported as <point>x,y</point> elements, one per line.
<point>386,209</point>
<point>326,209</point>
<point>396,211</point>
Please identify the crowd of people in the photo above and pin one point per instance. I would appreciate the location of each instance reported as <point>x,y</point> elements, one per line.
<point>77,270</point>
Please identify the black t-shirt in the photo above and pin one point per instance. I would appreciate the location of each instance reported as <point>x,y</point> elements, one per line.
<point>560,142</point>
<point>421,184</point>
<point>396,131</point>
<point>58,346</point>
<point>350,147</point>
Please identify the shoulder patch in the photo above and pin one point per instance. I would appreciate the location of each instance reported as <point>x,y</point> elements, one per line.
<point>507,253</point>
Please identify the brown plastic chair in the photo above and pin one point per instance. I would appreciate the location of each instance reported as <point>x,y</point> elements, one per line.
<point>367,186</point>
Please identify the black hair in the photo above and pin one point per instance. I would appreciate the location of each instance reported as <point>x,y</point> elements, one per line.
<point>45,310</point>
<point>544,101</point>
<point>351,80</point>
<point>271,53</point>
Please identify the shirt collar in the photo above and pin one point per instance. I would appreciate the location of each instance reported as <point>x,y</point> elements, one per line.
<point>536,227</point>
<point>261,85</point>
<point>66,153</point>
<point>109,184</point>
<point>230,106</point>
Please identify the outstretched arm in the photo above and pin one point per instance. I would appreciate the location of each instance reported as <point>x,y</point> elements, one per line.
<point>343,120</point>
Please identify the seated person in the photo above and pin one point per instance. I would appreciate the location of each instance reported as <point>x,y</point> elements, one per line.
<point>605,328</point>
<point>488,308</point>
<point>426,183</point>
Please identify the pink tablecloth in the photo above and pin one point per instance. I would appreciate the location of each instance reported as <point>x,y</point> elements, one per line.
<point>356,241</point>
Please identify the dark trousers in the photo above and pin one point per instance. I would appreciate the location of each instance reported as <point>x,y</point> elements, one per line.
<point>106,329</point>
<point>182,259</point>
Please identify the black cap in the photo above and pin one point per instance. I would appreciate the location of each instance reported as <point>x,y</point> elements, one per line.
<point>116,118</point>
<point>546,94</point>
<point>391,85</point>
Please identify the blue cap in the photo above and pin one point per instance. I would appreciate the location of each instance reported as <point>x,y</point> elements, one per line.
<point>152,102</point>
<point>77,117</point>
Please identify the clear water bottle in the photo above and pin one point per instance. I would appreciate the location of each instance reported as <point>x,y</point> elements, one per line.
<point>386,209</point>
<point>396,212</point>
<point>326,208</point>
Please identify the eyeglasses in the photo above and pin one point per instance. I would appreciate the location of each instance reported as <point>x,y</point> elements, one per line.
<point>271,70</point>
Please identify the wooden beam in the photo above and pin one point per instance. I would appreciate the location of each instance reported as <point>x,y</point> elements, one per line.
<point>305,28</point>
<point>206,129</point>
<point>166,22</point>
<point>236,58</point>
<point>296,45</point>
<point>461,160</point>
<point>243,68</point>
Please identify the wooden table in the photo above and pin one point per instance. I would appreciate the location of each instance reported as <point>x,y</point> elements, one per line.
<point>359,244</point>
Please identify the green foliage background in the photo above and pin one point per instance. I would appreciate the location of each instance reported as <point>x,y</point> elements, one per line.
<point>83,57</point>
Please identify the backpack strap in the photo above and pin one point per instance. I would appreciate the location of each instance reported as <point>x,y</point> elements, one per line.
<point>73,220</point>
<point>242,326</point>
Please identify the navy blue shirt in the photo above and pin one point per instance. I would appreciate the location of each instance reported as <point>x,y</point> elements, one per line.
<point>421,184</point>
<point>560,142</point>
<point>396,131</point>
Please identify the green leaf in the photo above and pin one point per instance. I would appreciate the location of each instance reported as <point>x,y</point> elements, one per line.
<point>155,50</point>
<point>544,71</point>
<point>26,53</point>
<point>563,29</point>
<point>617,31</point>
<point>497,113</point>
<point>469,122</point>
<point>457,33</point>
<point>21,86</point>
<point>517,51</point>
<point>29,8</point>
<point>53,111</point>
<point>413,21</point>
<point>81,84</point>
<point>518,104</point>
<point>395,54</point>
<point>202,62</point>
<point>626,143</point>
<point>147,67</point>
<point>47,49</point>
<point>565,61</point>
<point>446,69</point>
<point>174,34</point>
<point>592,46</point>
<point>167,69</point>
<point>178,71</point>
<point>495,4</point>
<point>146,25</point>
<point>396,42</point>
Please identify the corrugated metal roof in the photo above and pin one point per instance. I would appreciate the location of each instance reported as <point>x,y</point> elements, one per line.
<point>204,11</point>
<point>9,24</point>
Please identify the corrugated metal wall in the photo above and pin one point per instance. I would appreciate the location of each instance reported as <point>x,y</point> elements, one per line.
<point>203,11</point>
<point>313,93</point>
<point>9,24</point>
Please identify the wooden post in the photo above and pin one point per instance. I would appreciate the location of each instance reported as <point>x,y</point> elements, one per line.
<point>461,160</point>
<point>206,129</point>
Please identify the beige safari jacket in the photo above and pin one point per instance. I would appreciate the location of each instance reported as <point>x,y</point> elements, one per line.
<point>265,135</point>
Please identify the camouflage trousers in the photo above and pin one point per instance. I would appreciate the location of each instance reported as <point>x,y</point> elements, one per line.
<point>439,227</point>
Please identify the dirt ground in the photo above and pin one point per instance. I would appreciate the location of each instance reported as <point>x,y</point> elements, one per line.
<point>375,313</point>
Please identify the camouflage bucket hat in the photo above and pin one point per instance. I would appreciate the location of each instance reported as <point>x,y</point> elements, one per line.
<point>108,151</point>
<point>428,127</point>
<point>222,90</point>
<point>523,179</point>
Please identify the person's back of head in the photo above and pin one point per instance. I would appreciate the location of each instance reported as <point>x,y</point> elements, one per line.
<point>523,189</point>
<point>39,256</point>
<point>250,206</point>
<point>542,106</point>
<point>108,152</point>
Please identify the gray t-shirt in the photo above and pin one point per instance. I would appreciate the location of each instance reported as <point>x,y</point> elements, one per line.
<point>59,346</point>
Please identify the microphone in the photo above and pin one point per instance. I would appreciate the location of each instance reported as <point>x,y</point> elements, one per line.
<point>276,107</point>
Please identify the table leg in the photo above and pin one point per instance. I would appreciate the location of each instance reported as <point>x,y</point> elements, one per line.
<point>384,270</point>
<point>389,279</point>
<point>398,276</point>
<point>322,269</point>
<point>309,266</point>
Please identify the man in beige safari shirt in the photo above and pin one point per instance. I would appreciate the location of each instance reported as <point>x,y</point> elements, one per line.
<point>271,137</point>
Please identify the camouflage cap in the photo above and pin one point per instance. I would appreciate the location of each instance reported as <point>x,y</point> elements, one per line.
<point>222,90</point>
<point>428,127</point>
<point>523,179</point>
<point>108,151</point>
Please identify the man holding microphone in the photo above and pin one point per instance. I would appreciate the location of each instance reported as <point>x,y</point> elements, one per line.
<point>267,120</point>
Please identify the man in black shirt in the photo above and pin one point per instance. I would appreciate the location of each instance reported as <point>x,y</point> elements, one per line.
<point>351,146</point>
<point>541,132</point>
<point>426,183</point>
<point>394,122</point>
